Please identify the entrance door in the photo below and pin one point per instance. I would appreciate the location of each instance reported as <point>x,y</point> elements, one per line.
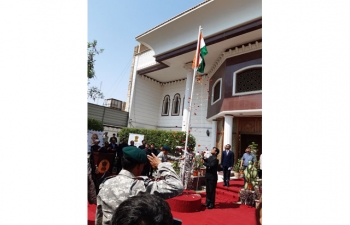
<point>247,139</point>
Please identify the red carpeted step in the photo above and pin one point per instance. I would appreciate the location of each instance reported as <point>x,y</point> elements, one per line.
<point>233,189</point>
<point>225,212</point>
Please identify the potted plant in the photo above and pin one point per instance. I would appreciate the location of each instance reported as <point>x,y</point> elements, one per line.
<point>250,193</point>
<point>250,176</point>
<point>254,149</point>
<point>197,164</point>
<point>236,168</point>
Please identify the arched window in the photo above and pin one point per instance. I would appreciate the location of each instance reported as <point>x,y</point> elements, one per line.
<point>247,80</point>
<point>216,91</point>
<point>176,105</point>
<point>166,105</point>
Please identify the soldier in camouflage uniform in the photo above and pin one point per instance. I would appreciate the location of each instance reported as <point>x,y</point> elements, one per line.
<point>129,183</point>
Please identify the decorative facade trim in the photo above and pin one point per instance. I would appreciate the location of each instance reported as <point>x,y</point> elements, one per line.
<point>145,77</point>
<point>234,52</point>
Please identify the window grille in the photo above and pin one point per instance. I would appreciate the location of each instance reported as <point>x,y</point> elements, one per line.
<point>249,80</point>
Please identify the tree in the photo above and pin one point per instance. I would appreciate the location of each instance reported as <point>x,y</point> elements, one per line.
<point>93,92</point>
<point>92,51</point>
<point>94,124</point>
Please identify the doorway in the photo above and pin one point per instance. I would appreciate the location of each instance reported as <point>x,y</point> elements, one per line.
<point>247,139</point>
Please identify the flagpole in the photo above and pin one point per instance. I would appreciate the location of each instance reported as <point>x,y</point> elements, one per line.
<point>190,105</point>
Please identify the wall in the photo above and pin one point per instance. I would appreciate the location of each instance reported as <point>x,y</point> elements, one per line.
<point>148,100</point>
<point>146,59</point>
<point>198,121</point>
<point>144,111</point>
<point>108,116</point>
<point>171,122</point>
<point>225,71</point>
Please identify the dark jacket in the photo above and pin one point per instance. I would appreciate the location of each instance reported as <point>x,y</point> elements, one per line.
<point>115,146</point>
<point>227,160</point>
<point>120,150</point>
<point>212,168</point>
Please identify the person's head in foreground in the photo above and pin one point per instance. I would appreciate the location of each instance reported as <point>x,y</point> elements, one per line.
<point>143,209</point>
<point>134,160</point>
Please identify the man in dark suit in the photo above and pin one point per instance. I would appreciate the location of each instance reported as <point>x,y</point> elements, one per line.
<point>113,144</point>
<point>211,177</point>
<point>227,159</point>
<point>147,167</point>
<point>143,144</point>
<point>110,140</point>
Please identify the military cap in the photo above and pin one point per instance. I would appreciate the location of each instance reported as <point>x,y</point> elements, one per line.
<point>165,147</point>
<point>135,154</point>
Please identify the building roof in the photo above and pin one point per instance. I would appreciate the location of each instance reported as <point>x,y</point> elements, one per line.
<point>175,17</point>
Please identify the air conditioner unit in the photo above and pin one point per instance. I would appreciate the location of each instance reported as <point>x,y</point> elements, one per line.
<point>114,103</point>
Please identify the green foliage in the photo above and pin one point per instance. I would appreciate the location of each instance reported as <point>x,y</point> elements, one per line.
<point>160,137</point>
<point>254,148</point>
<point>237,166</point>
<point>94,124</point>
<point>93,92</point>
<point>250,175</point>
<point>197,164</point>
<point>92,51</point>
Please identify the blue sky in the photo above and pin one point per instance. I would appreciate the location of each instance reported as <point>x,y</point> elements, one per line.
<point>115,24</point>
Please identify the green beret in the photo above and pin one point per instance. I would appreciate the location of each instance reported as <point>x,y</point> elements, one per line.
<point>134,154</point>
<point>165,147</point>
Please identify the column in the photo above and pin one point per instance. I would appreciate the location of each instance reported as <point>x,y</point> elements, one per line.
<point>189,79</point>
<point>228,130</point>
<point>213,134</point>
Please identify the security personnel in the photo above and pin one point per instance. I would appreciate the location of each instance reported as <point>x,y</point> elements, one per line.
<point>129,183</point>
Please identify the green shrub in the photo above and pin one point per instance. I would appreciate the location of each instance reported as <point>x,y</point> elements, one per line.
<point>160,137</point>
<point>94,124</point>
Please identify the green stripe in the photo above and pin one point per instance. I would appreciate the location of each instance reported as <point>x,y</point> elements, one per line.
<point>201,65</point>
<point>203,52</point>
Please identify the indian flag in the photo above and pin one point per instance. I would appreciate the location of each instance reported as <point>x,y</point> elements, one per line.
<point>201,52</point>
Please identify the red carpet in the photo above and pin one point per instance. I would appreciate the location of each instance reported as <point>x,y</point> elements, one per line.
<point>225,212</point>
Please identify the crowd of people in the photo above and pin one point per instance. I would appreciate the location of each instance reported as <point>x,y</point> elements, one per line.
<point>145,178</point>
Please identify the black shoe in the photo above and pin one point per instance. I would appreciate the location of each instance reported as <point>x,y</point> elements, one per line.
<point>206,205</point>
<point>224,184</point>
<point>210,207</point>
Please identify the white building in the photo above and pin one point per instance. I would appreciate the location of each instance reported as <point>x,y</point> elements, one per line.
<point>226,103</point>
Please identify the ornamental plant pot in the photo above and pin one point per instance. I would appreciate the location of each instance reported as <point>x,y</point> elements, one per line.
<point>195,172</point>
<point>250,186</point>
<point>241,173</point>
<point>203,170</point>
<point>237,175</point>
